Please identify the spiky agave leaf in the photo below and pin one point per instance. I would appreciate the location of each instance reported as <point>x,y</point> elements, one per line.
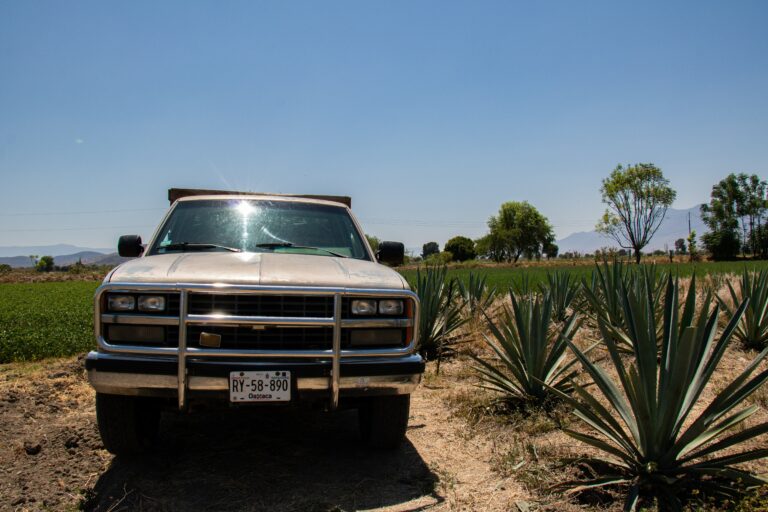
<point>610,283</point>
<point>752,330</point>
<point>531,355</point>
<point>647,424</point>
<point>476,294</point>
<point>440,313</point>
<point>563,290</point>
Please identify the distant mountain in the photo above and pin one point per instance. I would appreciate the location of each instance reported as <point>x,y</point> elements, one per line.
<point>112,260</point>
<point>16,261</point>
<point>47,250</point>
<point>86,257</point>
<point>674,226</point>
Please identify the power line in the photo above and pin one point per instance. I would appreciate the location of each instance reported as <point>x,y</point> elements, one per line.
<point>85,212</point>
<point>75,229</point>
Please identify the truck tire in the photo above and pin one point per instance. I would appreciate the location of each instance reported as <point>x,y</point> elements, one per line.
<point>383,420</point>
<point>128,424</point>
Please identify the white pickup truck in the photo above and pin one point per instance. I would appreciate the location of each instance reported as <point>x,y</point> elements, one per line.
<point>252,299</point>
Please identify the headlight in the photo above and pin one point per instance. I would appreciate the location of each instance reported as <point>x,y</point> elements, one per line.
<point>364,307</point>
<point>390,307</point>
<point>151,303</point>
<point>121,303</point>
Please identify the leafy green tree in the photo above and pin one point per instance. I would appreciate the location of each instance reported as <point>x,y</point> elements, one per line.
<point>5,268</point>
<point>722,244</point>
<point>736,211</point>
<point>45,264</point>
<point>752,209</point>
<point>693,250</point>
<point>551,250</point>
<point>429,249</point>
<point>461,247</point>
<point>680,247</point>
<point>637,197</point>
<point>518,229</point>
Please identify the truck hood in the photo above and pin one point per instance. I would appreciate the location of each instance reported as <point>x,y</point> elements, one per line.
<point>267,269</point>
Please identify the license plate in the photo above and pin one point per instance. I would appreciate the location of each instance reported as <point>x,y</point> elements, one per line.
<point>274,386</point>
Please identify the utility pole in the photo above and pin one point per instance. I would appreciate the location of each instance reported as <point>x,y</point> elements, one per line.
<point>689,223</point>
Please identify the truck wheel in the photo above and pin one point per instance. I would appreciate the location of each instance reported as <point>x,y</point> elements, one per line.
<point>384,420</point>
<point>127,424</point>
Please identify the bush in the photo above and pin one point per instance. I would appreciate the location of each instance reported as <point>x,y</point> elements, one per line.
<point>428,249</point>
<point>5,268</point>
<point>45,264</point>
<point>461,247</point>
<point>438,259</point>
<point>722,245</point>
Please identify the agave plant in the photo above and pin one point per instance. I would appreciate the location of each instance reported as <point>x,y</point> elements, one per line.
<point>476,294</point>
<point>522,288</point>
<point>440,313</point>
<point>646,425</point>
<point>531,355</point>
<point>603,295</point>
<point>752,330</point>
<point>563,291</point>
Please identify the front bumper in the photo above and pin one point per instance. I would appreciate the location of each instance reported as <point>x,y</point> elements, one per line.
<point>157,376</point>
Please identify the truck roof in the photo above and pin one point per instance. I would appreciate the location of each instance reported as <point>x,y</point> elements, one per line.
<point>175,194</point>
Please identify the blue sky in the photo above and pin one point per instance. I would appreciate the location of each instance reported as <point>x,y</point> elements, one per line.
<point>429,114</point>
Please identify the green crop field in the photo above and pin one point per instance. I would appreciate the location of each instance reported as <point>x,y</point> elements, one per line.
<point>39,320</point>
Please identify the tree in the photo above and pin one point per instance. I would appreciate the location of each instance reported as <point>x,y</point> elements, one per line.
<point>736,210</point>
<point>637,197</point>
<point>680,247</point>
<point>722,244</point>
<point>428,249</point>
<point>692,249</point>
<point>518,229</point>
<point>45,264</point>
<point>373,241</point>
<point>461,247</point>
<point>551,250</point>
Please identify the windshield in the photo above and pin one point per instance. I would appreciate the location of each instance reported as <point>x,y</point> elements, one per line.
<point>260,226</point>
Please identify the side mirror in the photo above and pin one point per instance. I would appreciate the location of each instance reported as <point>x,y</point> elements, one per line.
<point>129,246</point>
<point>391,253</point>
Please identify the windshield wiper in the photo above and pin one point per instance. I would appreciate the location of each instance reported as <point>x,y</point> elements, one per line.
<point>192,246</point>
<point>275,245</point>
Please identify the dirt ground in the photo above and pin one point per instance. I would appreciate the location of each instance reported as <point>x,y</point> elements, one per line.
<point>51,457</point>
<point>459,455</point>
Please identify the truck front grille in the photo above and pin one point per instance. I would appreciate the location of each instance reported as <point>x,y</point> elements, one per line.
<point>300,306</point>
<point>231,316</point>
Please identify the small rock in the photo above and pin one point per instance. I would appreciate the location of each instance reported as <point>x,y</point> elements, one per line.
<point>57,375</point>
<point>32,449</point>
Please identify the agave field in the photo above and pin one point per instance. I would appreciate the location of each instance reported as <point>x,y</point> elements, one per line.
<point>641,392</point>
